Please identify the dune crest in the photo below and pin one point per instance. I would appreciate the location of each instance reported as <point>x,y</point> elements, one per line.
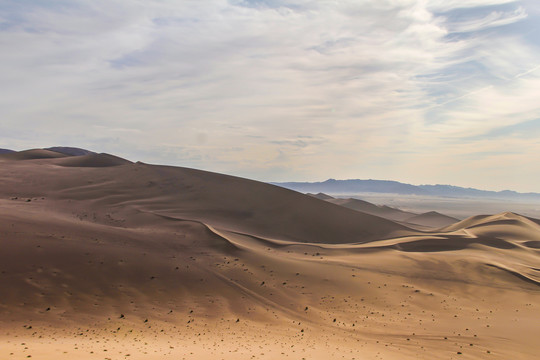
<point>33,154</point>
<point>93,160</point>
<point>432,219</point>
<point>70,151</point>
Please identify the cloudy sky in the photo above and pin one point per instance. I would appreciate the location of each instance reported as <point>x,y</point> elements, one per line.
<point>419,91</point>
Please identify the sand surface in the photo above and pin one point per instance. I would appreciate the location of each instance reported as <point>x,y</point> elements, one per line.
<point>106,259</point>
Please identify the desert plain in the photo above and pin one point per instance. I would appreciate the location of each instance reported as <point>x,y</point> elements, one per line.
<point>103,258</point>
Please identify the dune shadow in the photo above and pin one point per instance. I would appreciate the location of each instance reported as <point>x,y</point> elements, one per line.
<point>516,274</point>
<point>452,243</point>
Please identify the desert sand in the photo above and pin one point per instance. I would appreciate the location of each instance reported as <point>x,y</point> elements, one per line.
<point>102,258</point>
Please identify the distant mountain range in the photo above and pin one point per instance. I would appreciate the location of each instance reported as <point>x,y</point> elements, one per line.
<point>349,187</point>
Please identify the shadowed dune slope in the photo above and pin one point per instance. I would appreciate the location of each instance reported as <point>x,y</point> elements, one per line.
<point>218,200</point>
<point>267,210</point>
<point>369,208</point>
<point>93,160</point>
<point>321,196</point>
<point>432,219</point>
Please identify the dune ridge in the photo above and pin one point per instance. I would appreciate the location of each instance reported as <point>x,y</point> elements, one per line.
<point>432,219</point>
<point>32,154</point>
<point>70,151</point>
<point>93,160</point>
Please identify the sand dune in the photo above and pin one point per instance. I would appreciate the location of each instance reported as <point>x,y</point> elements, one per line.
<point>106,259</point>
<point>321,196</point>
<point>432,219</point>
<point>144,191</point>
<point>428,220</point>
<point>93,160</point>
<point>71,151</point>
<point>369,208</point>
<point>32,155</point>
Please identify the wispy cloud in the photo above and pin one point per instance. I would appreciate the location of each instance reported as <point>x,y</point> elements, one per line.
<point>273,90</point>
<point>447,5</point>
<point>493,19</point>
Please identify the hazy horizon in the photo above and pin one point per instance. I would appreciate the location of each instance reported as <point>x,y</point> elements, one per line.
<point>420,92</point>
<point>300,181</point>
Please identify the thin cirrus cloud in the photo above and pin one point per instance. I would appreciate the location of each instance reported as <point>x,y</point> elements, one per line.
<point>280,90</point>
<point>447,5</point>
<point>493,19</point>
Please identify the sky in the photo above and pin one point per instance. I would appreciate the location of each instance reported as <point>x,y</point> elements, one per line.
<point>423,92</point>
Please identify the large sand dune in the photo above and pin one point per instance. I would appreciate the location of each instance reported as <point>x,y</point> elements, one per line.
<point>102,258</point>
